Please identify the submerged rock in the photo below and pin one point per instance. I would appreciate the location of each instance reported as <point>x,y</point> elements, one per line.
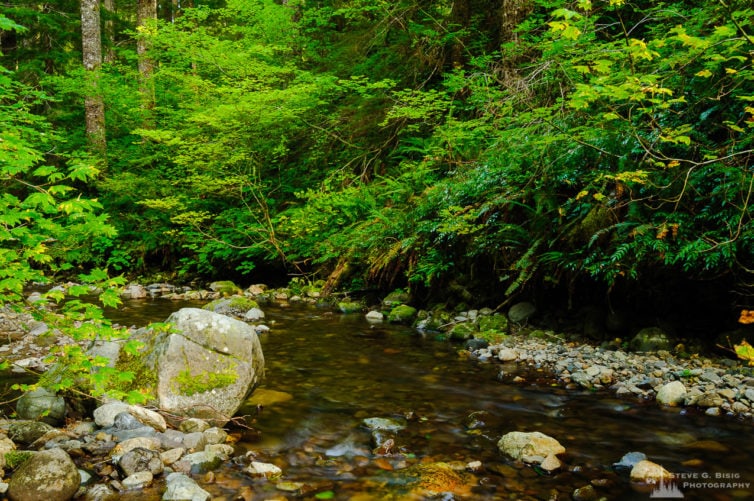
<point>531,447</point>
<point>646,471</point>
<point>181,487</point>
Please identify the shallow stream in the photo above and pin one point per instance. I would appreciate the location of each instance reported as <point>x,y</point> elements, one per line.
<point>327,372</point>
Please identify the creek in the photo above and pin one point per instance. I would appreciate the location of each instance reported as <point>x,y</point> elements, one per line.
<point>326,372</point>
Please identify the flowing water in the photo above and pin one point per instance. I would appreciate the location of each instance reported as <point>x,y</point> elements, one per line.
<point>327,372</point>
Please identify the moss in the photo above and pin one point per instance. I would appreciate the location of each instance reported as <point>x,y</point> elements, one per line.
<point>492,336</point>
<point>225,287</point>
<point>14,459</point>
<point>190,384</point>
<point>402,314</point>
<point>350,306</point>
<point>144,378</point>
<point>235,302</point>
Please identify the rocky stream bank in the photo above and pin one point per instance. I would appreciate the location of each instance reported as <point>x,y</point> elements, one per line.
<point>154,452</point>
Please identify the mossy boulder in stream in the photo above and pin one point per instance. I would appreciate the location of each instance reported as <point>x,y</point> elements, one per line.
<point>225,288</point>
<point>206,365</point>
<point>402,314</point>
<point>199,364</point>
<point>498,323</point>
<point>236,306</point>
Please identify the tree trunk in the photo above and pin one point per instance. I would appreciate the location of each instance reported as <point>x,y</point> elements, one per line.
<point>91,44</point>
<point>146,15</point>
<point>109,6</point>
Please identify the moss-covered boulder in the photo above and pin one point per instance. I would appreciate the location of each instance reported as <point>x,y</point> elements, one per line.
<point>206,365</point>
<point>496,322</point>
<point>395,298</point>
<point>402,314</point>
<point>434,320</point>
<point>225,288</point>
<point>651,339</point>
<point>235,306</point>
<point>350,306</point>
<point>521,312</point>
<point>50,475</point>
<point>463,331</point>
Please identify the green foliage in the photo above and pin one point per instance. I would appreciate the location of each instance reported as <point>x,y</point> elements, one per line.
<point>393,143</point>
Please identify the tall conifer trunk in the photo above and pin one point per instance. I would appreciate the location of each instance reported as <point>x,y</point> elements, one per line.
<point>94,105</point>
<point>109,6</point>
<point>146,14</point>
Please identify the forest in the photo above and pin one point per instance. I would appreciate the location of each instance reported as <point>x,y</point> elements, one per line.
<point>469,151</point>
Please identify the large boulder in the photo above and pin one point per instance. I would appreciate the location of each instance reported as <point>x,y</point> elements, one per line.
<point>206,365</point>
<point>50,475</point>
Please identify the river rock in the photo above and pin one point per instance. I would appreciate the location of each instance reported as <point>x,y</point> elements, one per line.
<point>224,287</point>
<point>629,460</point>
<point>148,417</point>
<point>350,307</point>
<point>649,472</point>
<point>253,315</point>
<point>521,312</point>
<point>182,488</point>
<point>497,322</point>
<point>48,475</point>
<point>402,313</point>
<point>709,399</point>
<point>507,354</point>
<point>384,424</point>
<point>673,393</point>
<point>138,480</point>
<point>134,291</point>
<point>41,404</point>
<point>267,470</point>
<point>532,447</point>
<point>104,415</point>
<point>192,425</point>
<point>206,366</point>
<point>236,306</point>
<point>375,316</point>
<point>26,432</point>
<point>140,459</point>
<point>651,339</point>
<point>395,298</point>
<point>134,443</point>
<point>215,435</point>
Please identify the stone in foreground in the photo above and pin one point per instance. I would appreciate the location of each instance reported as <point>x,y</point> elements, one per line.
<point>206,365</point>
<point>48,475</point>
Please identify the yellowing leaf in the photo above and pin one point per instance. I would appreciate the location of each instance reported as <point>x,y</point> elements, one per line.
<point>745,351</point>
<point>704,73</point>
<point>582,194</point>
<point>730,71</point>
